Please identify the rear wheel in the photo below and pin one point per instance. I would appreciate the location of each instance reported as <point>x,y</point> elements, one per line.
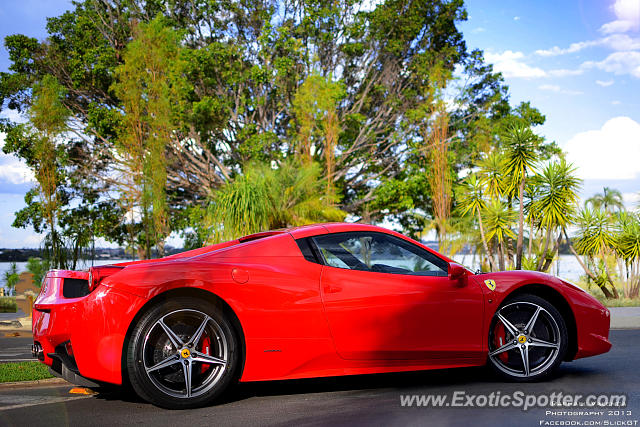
<point>527,339</point>
<point>183,353</point>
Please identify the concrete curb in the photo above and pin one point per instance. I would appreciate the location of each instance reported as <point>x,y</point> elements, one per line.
<point>625,317</point>
<point>49,382</point>
<point>22,324</point>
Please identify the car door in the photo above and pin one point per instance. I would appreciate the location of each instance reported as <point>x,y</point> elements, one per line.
<point>387,298</point>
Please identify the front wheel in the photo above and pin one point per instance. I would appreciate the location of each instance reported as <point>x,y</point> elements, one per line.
<point>527,339</point>
<point>183,353</point>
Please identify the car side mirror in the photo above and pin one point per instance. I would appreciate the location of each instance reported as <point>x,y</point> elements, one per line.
<point>456,271</point>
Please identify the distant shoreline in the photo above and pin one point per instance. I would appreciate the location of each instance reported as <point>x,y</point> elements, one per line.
<point>23,255</point>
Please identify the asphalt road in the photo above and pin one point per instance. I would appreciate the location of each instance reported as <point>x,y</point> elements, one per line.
<point>361,400</point>
<point>15,349</point>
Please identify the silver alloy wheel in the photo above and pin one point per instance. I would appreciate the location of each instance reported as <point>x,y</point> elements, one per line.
<point>174,357</point>
<point>532,340</point>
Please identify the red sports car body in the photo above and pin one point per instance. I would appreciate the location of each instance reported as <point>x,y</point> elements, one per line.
<point>302,302</point>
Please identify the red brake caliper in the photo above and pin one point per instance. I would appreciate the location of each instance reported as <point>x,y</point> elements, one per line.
<point>500,339</point>
<point>206,344</point>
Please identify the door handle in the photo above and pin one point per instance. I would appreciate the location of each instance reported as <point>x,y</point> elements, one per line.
<point>332,289</point>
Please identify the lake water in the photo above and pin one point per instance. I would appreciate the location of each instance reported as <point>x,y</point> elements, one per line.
<point>567,267</point>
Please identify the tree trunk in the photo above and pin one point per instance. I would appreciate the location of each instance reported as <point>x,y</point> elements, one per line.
<point>584,267</point>
<point>606,269</point>
<point>484,242</point>
<point>501,256</point>
<point>543,255</point>
<point>548,261</point>
<point>520,225</point>
<point>530,238</point>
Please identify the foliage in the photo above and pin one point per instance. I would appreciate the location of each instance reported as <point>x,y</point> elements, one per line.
<point>610,200</point>
<point>595,241</point>
<point>520,145</point>
<point>11,277</point>
<point>216,119</point>
<point>38,267</point>
<point>238,82</point>
<point>627,247</point>
<point>8,305</point>
<point>267,198</point>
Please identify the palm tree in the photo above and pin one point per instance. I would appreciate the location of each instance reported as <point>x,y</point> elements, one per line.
<point>471,200</point>
<point>500,219</point>
<point>492,174</point>
<point>627,245</point>
<point>265,198</point>
<point>610,200</point>
<point>531,195</point>
<point>520,147</point>
<point>556,203</point>
<point>596,239</point>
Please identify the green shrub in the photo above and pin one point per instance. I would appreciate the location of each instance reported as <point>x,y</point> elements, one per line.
<point>8,305</point>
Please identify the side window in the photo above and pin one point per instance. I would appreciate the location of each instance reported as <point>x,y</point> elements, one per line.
<point>378,252</point>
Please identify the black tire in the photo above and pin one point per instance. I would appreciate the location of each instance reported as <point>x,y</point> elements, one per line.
<point>545,343</point>
<point>182,362</point>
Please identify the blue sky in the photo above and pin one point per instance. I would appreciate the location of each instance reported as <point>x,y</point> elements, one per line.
<point>577,61</point>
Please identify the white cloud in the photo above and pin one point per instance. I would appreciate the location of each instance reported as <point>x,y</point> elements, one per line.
<point>479,30</point>
<point>616,42</point>
<point>631,200</point>
<point>510,64</point>
<point>562,72</point>
<point>628,14</point>
<point>573,47</point>
<point>618,63</point>
<point>516,18</point>
<point>617,26</point>
<point>611,152</point>
<point>552,88</point>
<point>616,102</point>
<point>558,89</point>
<point>604,83</point>
<point>13,170</point>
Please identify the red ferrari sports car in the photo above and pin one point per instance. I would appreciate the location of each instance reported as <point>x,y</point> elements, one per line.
<point>313,301</point>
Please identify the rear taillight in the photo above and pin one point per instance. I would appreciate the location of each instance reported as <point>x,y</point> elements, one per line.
<point>96,274</point>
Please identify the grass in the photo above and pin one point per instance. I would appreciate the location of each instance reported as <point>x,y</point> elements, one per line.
<point>8,305</point>
<point>23,371</point>
<point>620,302</point>
<point>609,302</point>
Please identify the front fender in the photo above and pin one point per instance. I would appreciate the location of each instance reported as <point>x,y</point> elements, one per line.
<point>591,317</point>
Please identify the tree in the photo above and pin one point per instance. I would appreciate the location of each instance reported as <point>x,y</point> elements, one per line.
<point>627,246</point>
<point>610,200</point>
<point>315,109</point>
<point>48,116</point>
<point>492,174</point>
<point>38,267</point>
<point>11,278</point>
<point>150,85</point>
<point>520,145</point>
<point>596,239</point>
<point>265,198</point>
<point>260,79</point>
<point>471,200</point>
<point>500,218</point>
<point>555,204</point>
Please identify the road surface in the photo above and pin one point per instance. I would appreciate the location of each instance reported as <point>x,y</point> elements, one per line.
<point>362,400</point>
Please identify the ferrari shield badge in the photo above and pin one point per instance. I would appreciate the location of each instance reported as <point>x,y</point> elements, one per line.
<point>490,284</point>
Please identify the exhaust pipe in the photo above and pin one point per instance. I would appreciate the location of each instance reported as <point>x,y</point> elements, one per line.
<point>37,352</point>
